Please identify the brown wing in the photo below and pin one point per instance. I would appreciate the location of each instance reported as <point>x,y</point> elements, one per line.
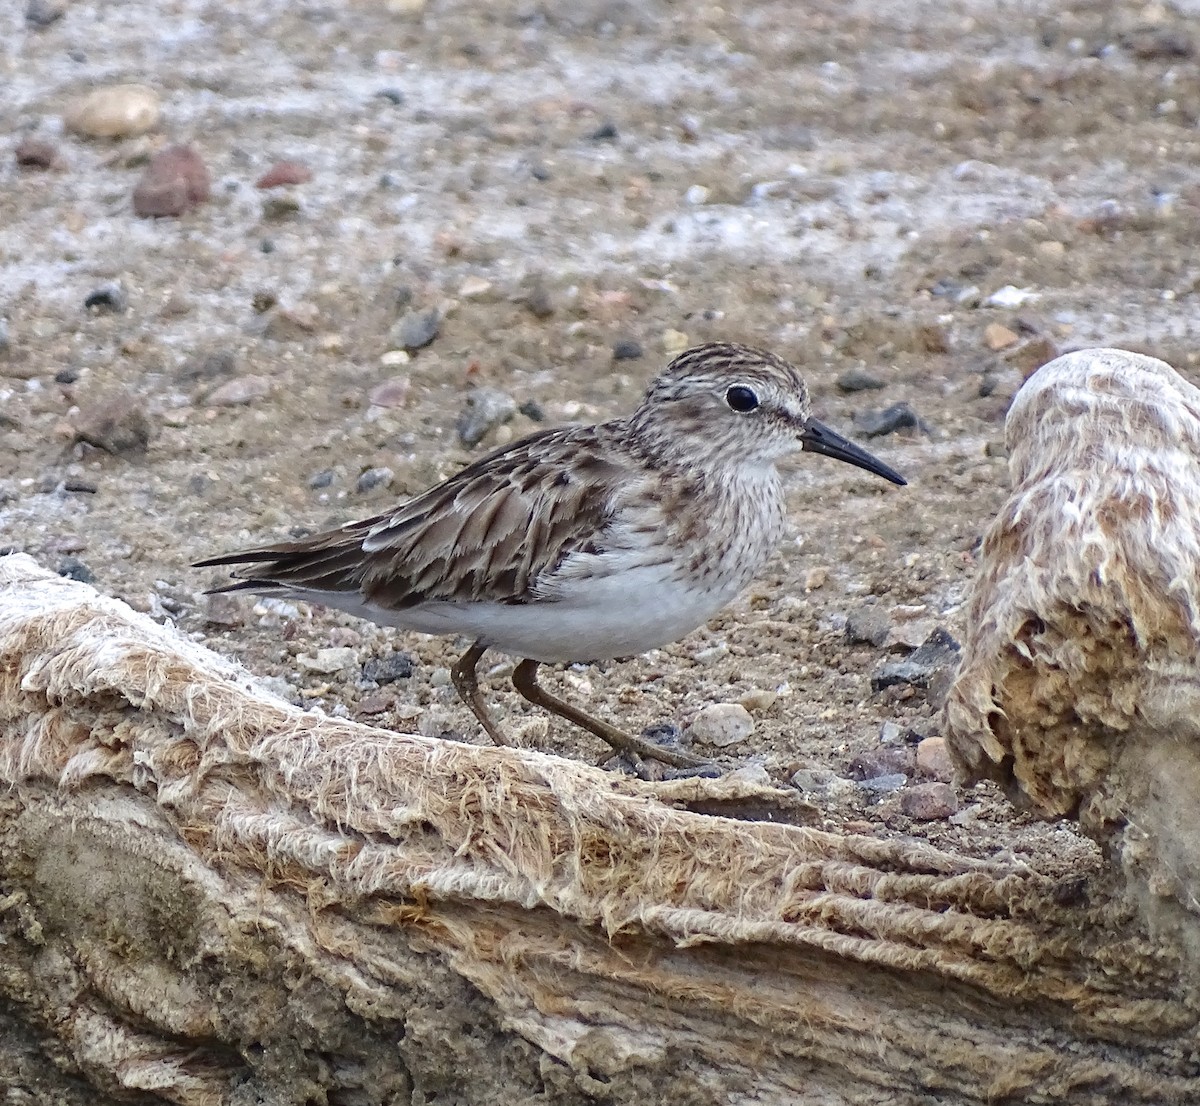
<point>486,533</point>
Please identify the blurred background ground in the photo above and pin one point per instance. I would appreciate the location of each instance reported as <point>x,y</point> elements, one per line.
<point>493,216</point>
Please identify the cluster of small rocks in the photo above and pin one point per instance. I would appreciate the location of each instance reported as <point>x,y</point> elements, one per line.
<point>915,778</point>
<point>176,178</point>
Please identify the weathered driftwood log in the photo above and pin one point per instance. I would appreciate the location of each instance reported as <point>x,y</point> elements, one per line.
<point>208,896</point>
<point>1079,689</point>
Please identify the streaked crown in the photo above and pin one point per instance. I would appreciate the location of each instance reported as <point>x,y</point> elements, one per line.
<point>724,399</point>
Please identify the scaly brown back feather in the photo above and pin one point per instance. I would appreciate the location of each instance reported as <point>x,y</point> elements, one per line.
<point>486,534</point>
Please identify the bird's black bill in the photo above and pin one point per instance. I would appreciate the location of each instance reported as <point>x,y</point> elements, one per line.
<point>818,438</point>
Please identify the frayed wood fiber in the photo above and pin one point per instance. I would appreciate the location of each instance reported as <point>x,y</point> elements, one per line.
<point>1079,689</point>
<point>219,879</point>
<point>1085,616</point>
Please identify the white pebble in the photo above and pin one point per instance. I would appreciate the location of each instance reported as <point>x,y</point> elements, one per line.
<point>1011,296</point>
<point>115,112</point>
<point>327,661</point>
<point>722,724</point>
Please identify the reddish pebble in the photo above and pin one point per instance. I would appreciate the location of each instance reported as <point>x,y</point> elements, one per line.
<point>933,759</point>
<point>239,391</point>
<point>927,802</point>
<point>283,173</point>
<point>37,153</point>
<point>175,180</point>
<point>391,393</point>
<point>377,702</point>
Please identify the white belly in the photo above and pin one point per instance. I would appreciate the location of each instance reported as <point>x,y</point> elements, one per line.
<point>609,616</point>
<point>606,617</point>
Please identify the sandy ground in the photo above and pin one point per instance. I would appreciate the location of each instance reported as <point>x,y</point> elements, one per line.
<point>938,195</point>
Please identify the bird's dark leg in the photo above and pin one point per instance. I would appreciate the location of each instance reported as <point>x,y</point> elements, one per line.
<point>524,679</point>
<point>466,683</point>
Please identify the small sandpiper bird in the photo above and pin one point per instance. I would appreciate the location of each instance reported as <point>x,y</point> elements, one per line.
<point>580,543</point>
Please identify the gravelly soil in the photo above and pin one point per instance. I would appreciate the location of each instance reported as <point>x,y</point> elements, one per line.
<point>846,184</point>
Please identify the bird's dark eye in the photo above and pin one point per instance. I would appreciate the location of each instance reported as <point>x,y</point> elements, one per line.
<point>741,398</point>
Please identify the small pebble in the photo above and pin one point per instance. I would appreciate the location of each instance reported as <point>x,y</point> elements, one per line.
<point>238,391</point>
<point>884,785</point>
<point>815,578</point>
<point>928,802</point>
<point>391,393</point>
<point>674,341</point>
<point>209,365</point>
<point>882,760</point>
<point>108,299</point>
<point>627,349</point>
<point>291,324</point>
<point>117,111</point>
<point>858,380</point>
<point>474,286</point>
<point>813,780</point>
<point>175,181</point>
<point>722,724</point>
<point>377,702</point>
<point>345,635</point>
<point>37,153</point>
<point>1149,42</point>
<point>891,734</point>
<point>539,302</point>
<point>280,209</point>
<point>907,636</point>
<point>72,568</point>
<point>337,658</point>
<point>391,95</point>
<point>118,424</point>
<point>321,479</point>
<point>606,132</point>
<point>933,759</point>
<point>900,416</point>
<point>711,653</point>
<point>283,173</point>
<point>935,660</point>
<point>41,13</point>
<point>663,733</point>
<point>533,410</point>
<point>416,329</point>
<point>758,700</point>
<point>373,478</point>
<point>867,625</point>
<point>484,410</point>
<point>997,336</point>
<point>389,668</point>
<point>1010,296</point>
